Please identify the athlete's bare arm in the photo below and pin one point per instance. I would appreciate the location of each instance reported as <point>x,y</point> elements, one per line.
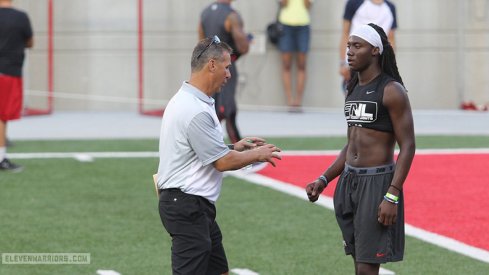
<point>397,103</point>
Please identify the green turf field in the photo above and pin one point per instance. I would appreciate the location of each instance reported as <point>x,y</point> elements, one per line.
<point>108,208</point>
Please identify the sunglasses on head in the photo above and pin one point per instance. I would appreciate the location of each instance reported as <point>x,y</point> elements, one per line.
<point>215,40</point>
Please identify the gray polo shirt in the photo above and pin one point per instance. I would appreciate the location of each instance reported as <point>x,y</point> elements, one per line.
<point>191,140</point>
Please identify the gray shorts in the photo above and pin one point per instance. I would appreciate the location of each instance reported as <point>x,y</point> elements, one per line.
<point>356,200</point>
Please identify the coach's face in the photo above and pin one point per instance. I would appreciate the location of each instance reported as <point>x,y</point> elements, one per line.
<point>221,71</point>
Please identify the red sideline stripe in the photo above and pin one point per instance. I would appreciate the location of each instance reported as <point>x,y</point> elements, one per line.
<point>445,194</point>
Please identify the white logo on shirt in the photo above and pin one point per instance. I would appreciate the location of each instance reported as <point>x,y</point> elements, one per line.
<point>361,111</point>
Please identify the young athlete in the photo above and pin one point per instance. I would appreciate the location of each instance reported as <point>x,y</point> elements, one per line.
<point>368,199</point>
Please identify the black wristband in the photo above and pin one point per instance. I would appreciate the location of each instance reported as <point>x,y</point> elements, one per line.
<point>231,146</point>
<point>395,187</point>
<point>323,179</point>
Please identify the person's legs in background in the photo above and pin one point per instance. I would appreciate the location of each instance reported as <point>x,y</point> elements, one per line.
<point>3,139</point>
<point>286,46</point>
<point>301,78</point>
<point>232,128</point>
<point>5,164</point>
<point>287,77</point>
<point>226,107</point>
<point>302,37</point>
<point>10,107</point>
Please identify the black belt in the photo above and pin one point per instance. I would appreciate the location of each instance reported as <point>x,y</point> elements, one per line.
<point>170,190</point>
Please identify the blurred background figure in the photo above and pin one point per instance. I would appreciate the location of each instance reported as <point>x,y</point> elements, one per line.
<point>15,36</point>
<point>222,20</point>
<point>361,12</point>
<point>295,18</point>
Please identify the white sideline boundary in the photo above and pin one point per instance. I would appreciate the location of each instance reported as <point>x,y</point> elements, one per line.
<point>92,155</point>
<point>429,237</point>
<point>83,155</point>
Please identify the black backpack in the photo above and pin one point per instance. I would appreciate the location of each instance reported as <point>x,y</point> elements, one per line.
<point>274,32</point>
<point>275,29</point>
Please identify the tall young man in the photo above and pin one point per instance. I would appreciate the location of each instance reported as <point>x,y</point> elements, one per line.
<point>368,199</point>
<point>15,36</point>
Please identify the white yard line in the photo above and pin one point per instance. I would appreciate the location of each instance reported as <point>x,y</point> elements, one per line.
<point>83,155</point>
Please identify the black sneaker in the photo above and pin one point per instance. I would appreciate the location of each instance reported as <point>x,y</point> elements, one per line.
<point>6,165</point>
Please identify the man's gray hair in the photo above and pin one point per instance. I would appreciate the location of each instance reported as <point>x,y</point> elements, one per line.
<point>208,49</point>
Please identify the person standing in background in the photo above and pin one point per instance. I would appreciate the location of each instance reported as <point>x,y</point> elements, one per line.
<point>222,20</point>
<point>361,12</point>
<point>15,35</point>
<point>295,18</point>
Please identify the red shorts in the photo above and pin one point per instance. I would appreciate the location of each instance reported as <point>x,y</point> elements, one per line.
<point>10,97</point>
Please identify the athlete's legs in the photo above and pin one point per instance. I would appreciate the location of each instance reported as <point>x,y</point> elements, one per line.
<point>366,269</point>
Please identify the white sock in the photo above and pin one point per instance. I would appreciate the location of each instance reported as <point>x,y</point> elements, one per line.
<point>3,153</point>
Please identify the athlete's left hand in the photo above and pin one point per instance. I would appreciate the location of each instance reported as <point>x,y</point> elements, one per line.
<point>387,213</point>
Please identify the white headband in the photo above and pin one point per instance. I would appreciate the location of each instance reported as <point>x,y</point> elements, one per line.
<point>370,35</point>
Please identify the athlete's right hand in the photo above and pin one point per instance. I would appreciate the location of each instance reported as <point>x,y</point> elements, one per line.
<point>314,189</point>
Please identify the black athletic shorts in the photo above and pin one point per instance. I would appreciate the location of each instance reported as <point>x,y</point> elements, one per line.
<point>356,201</point>
<point>196,238</point>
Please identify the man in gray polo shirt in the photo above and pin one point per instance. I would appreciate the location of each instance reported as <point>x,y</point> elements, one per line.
<point>193,156</point>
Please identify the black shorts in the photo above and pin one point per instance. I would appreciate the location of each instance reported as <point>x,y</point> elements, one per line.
<point>356,201</point>
<point>196,238</point>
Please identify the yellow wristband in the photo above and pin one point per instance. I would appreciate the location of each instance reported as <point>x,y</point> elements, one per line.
<point>392,197</point>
